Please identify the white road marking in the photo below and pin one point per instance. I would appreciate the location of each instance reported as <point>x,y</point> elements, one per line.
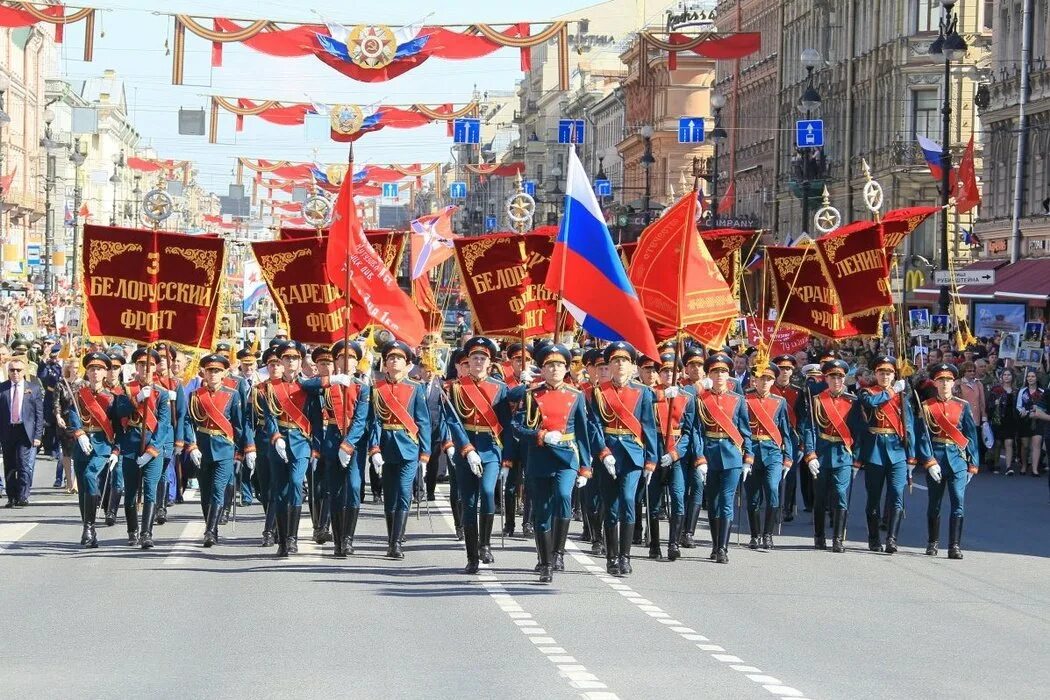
<point>716,652</point>
<point>189,541</point>
<point>12,532</point>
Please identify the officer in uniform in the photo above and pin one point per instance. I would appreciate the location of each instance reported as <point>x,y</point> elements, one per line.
<point>552,426</point>
<point>90,420</point>
<point>289,431</point>
<point>773,439</point>
<point>114,480</point>
<point>948,450</point>
<point>175,431</point>
<point>479,422</point>
<point>316,474</point>
<point>887,451</point>
<point>695,383</point>
<point>216,415</point>
<point>784,387</point>
<point>145,413</point>
<point>591,493</point>
<point>727,449</point>
<point>625,428</point>
<point>243,389</point>
<point>263,451</point>
<point>676,429</point>
<point>399,438</point>
<point>513,370</point>
<point>246,377</point>
<point>832,422</point>
<point>457,368</point>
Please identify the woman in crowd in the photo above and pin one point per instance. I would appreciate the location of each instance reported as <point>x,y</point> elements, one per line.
<point>1029,433</point>
<point>1002,414</point>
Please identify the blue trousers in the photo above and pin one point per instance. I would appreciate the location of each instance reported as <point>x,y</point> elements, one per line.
<point>763,485</point>
<point>87,470</point>
<point>895,477</point>
<point>618,495</point>
<point>831,488</point>
<point>398,479</point>
<point>591,497</point>
<point>213,478</point>
<point>955,484</point>
<point>722,485</point>
<point>262,474</point>
<point>169,477</point>
<point>148,475</point>
<point>343,484</point>
<point>551,497</point>
<point>19,464</point>
<point>472,489</point>
<point>693,484</point>
<point>674,477</point>
<point>286,481</point>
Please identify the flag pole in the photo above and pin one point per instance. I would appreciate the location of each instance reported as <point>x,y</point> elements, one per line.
<point>559,317</point>
<point>346,292</point>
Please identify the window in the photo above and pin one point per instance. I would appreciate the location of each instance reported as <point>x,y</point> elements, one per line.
<point>539,172</point>
<point>989,13</point>
<point>925,113</point>
<point>927,15</point>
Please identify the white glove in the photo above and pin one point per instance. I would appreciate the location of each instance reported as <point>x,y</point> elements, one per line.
<point>609,462</point>
<point>648,476</point>
<point>112,460</point>
<point>143,394</point>
<point>784,472</point>
<point>450,453</point>
<point>898,386</point>
<point>855,470</point>
<point>341,379</point>
<point>281,448</point>
<point>581,481</point>
<point>171,397</point>
<point>553,437</point>
<point>526,375</point>
<point>665,460</point>
<point>814,467</point>
<point>85,444</point>
<point>935,472</point>
<point>706,383</point>
<point>144,459</point>
<point>670,392</point>
<point>969,478</point>
<point>195,457</point>
<point>344,457</point>
<point>377,462</point>
<point>474,462</point>
<point>703,471</point>
<point>249,461</point>
<point>504,474</point>
<point>746,472</point>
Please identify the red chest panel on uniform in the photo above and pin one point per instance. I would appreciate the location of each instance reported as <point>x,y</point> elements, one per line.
<point>342,400</point>
<point>214,406</point>
<point>229,382</point>
<point>677,406</point>
<point>790,395</point>
<point>946,417</point>
<point>888,415</point>
<point>621,401</point>
<point>555,408</point>
<point>761,417</point>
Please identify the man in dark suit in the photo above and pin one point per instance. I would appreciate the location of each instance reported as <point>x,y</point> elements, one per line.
<point>21,429</point>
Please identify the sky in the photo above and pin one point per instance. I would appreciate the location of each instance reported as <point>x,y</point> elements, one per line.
<point>134,46</point>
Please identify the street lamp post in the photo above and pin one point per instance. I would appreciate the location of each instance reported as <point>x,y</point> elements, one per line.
<point>77,159</point>
<point>49,146</point>
<point>137,193</point>
<point>950,46</point>
<point>718,137</point>
<point>647,163</point>
<point>5,119</point>
<point>809,101</point>
<point>118,164</point>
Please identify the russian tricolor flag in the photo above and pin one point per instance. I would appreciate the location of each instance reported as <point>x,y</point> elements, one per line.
<point>931,151</point>
<point>587,273</point>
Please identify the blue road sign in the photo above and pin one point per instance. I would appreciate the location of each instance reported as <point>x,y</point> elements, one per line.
<point>466,130</point>
<point>490,223</point>
<point>530,187</point>
<point>570,131</point>
<point>603,188</point>
<point>809,133</point>
<point>390,190</point>
<point>457,190</point>
<point>691,130</point>
<point>33,255</point>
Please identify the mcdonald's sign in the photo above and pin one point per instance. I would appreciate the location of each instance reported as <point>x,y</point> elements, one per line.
<point>913,279</point>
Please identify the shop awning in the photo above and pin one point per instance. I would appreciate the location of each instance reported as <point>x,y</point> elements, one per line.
<point>930,292</point>
<point>1026,279</point>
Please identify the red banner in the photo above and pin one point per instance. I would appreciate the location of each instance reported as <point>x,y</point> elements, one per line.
<point>854,261</point>
<point>148,286</point>
<point>787,339</point>
<point>898,223</point>
<point>389,245</point>
<point>503,277</point>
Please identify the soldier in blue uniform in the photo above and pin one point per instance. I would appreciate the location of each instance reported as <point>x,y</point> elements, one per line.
<point>695,383</point>
<point>513,371</point>
<point>727,449</point>
<point>289,431</point>
<point>832,423</point>
<point>783,386</point>
<point>175,430</point>
<point>399,438</point>
<point>948,450</point>
<point>625,427</point>
<point>887,451</point>
<point>774,443</point>
<point>90,419</point>
<point>216,415</point>
<point>114,477</point>
<point>246,361</point>
<point>591,494</point>
<point>457,367</point>
<point>263,451</point>
<point>144,413</point>
<point>552,425</point>
<point>243,389</point>
<point>479,423</point>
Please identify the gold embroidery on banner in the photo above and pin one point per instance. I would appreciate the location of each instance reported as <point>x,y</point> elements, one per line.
<point>832,245</point>
<point>787,265</point>
<point>279,262</point>
<point>104,251</point>
<point>472,252</point>
<point>201,259</point>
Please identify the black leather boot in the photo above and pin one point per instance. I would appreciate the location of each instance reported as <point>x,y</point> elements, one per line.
<point>754,527</point>
<point>269,527</point>
<point>893,527</point>
<point>111,507</point>
<point>654,540</point>
<point>457,515</point>
<point>400,524</point>
<point>675,531</point>
<point>91,510</point>
<point>338,535</point>
<point>725,528</point>
<point>955,524</point>
<point>485,542</point>
<point>639,529</point>
<point>510,506</point>
<point>692,516</point>
<point>819,540</point>
<point>209,523</point>
<point>470,532</point>
<point>281,523</point>
<point>148,511</point>
<point>626,539</point>
<point>322,533</point>
<point>351,529</point>
<point>561,534</point>
<point>544,548</point>
<point>131,517</point>
<point>838,530</point>
<point>874,539</point>
<point>586,535</point>
<point>597,543</point>
<point>715,523</point>
<point>612,546</point>
<point>227,503</point>
<point>295,513</point>
<point>768,525</point>
<point>162,502</point>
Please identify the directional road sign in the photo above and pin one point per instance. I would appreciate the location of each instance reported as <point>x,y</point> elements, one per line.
<point>809,133</point>
<point>33,254</point>
<point>390,190</point>
<point>570,131</point>
<point>603,188</point>
<point>457,190</point>
<point>490,223</point>
<point>944,277</point>
<point>466,130</point>
<point>530,187</point>
<point>691,130</point>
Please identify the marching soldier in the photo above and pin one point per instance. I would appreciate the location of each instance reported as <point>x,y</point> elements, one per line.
<point>478,424</point>
<point>89,417</point>
<point>675,423</point>
<point>887,454</point>
<point>695,383</point>
<point>518,358</point>
<point>243,388</point>
<point>175,431</point>
<point>773,440</point>
<point>458,367</point>
<point>552,426</point>
<point>591,493</point>
<point>114,487</point>
<point>246,377</point>
<point>625,427</point>
<point>144,412</point>
<point>216,418</point>
<point>647,377</point>
<point>263,451</point>
<point>727,449</point>
<point>783,386</point>
<point>829,445</point>
<point>399,439</point>
<point>948,450</point>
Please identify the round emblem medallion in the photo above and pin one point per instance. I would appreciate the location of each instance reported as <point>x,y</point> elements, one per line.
<point>372,45</point>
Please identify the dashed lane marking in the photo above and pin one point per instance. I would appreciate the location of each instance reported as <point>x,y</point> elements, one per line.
<point>12,532</point>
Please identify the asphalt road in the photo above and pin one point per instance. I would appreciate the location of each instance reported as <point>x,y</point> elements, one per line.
<point>796,623</point>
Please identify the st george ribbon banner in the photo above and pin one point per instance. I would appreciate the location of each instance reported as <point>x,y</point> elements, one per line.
<point>148,286</point>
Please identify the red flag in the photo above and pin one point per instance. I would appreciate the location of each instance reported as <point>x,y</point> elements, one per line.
<point>371,284</point>
<point>967,195</point>
<point>432,241</point>
<point>6,180</point>
<point>84,212</point>
<point>728,199</point>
